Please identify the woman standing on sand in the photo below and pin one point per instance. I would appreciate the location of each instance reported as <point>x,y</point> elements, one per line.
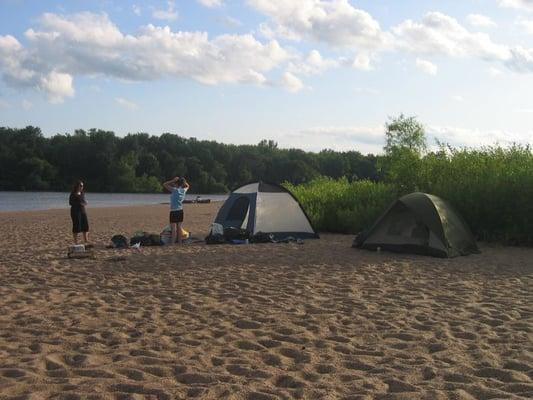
<point>77,212</point>
<point>178,188</point>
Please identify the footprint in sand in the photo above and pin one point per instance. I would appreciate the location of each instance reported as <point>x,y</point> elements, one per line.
<point>132,374</point>
<point>271,360</point>
<point>325,369</point>
<point>75,360</point>
<point>13,373</point>
<point>240,370</point>
<point>247,345</point>
<point>287,381</point>
<point>297,355</point>
<point>260,396</point>
<point>195,378</point>
<point>245,324</point>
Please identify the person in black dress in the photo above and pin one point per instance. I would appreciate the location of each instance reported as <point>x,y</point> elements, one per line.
<point>77,213</point>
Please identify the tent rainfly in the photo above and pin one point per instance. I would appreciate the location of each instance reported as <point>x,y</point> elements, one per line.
<point>420,223</point>
<point>267,208</point>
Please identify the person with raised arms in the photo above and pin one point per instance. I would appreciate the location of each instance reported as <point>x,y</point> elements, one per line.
<point>178,189</point>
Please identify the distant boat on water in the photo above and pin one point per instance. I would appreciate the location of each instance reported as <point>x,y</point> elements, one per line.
<point>199,200</point>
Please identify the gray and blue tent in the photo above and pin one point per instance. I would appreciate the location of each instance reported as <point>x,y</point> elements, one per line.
<point>267,208</point>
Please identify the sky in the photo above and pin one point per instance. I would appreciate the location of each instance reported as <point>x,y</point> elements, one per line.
<point>310,74</point>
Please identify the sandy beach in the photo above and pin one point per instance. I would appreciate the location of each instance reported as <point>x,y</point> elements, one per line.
<point>268,321</point>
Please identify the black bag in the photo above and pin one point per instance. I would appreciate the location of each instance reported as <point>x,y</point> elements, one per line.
<point>261,237</point>
<point>146,239</point>
<point>215,239</point>
<point>119,241</point>
<point>233,233</point>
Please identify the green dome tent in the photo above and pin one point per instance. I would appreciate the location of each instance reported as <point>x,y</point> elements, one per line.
<point>420,223</point>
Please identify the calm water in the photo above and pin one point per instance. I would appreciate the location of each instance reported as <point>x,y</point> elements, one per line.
<point>20,201</point>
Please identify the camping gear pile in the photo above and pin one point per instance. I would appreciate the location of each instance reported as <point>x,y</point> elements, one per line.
<point>261,212</point>
<point>232,235</point>
<point>142,238</point>
<point>166,235</point>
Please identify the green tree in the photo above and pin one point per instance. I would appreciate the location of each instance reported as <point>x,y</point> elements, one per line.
<point>405,133</point>
<point>405,145</point>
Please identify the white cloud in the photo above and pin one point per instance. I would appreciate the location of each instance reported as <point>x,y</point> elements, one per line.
<point>292,83</point>
<point>480,21</point>
<point>363,62</point>
<point>136,9</point>
<point>130,105</point>
<point>458,98</point>
<point>12,63</point>
<point>367,139</point>
<point>438,33</point>
<point>526,25</point>
<point>526,5</point>
<point>210,3</point>
<point>89,44</point>
<point>4,104</point>
<point>313,64</point>
<point>170,14</point>
<point>521,60</point>
<point>370,139</point>
<point>336,23</point>
<point>57,85</point>
<point>475,138</point>
<point>426,66</point>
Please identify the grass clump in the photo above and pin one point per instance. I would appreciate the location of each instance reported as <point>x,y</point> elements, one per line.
<point>492,188</point>
<point>343,206</point>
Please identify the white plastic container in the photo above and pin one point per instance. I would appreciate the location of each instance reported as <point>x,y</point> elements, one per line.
<point>77,248</point>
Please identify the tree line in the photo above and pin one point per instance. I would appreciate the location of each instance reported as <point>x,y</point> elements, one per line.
<point>140,162</point>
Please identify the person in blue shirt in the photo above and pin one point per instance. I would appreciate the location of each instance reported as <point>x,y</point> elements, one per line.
<point>178,188</point>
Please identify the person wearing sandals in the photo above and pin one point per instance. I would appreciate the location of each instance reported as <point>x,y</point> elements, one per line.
<point>80,223</point>
<point>178,188</point>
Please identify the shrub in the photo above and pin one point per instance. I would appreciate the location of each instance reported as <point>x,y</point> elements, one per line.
<point>340,205</point>
<point>492,188</point>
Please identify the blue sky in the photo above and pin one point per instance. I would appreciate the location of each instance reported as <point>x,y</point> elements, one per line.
<point>311,74</point>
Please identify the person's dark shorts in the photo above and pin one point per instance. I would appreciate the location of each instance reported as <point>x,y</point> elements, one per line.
<point>176,216</point>
<point>79,221</point>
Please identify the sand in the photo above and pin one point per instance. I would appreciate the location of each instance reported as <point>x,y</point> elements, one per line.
<point>268,321</point>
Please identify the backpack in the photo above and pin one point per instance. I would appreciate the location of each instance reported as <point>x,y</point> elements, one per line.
<point>120,241</point>
<point>261,237</point>
<point>233,233</point>
<point>146,239</point>
<point>215,239</point>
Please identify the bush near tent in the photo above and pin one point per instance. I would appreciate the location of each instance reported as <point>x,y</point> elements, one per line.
<point>342,206</point>
<point>492,188</point>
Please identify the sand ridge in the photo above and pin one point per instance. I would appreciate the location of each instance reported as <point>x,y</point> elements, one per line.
<point>272,321</point>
